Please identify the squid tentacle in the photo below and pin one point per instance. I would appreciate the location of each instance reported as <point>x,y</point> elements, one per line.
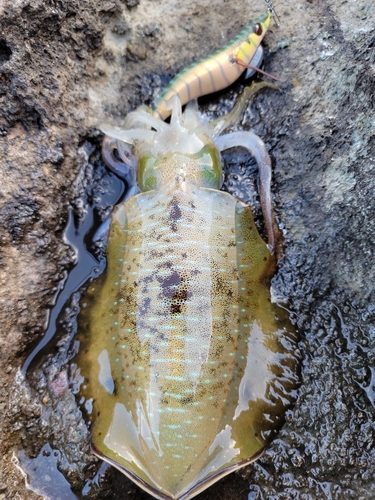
<point>257,148</point>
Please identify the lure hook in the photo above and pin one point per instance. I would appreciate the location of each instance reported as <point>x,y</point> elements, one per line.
<point>271,8</point>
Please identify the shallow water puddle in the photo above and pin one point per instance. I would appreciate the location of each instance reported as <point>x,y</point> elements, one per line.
<point>42,474</point>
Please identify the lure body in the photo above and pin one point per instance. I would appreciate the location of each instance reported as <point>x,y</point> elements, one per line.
<point>215,72</point>
<point>191,365</point>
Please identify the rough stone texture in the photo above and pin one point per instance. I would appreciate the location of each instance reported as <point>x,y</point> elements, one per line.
<point>67,66</point>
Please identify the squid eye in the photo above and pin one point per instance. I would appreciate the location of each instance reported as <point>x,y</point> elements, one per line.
<point>146,174</point>
<point>257,29</point>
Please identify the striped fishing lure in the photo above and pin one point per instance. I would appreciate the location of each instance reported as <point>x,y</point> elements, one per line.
<point>190,363</point>
<point>217,71</point>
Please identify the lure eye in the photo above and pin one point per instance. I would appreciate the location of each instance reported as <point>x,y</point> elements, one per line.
<point>257,29</point>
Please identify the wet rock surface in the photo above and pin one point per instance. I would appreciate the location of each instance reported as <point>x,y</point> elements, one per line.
<point>64,68</point>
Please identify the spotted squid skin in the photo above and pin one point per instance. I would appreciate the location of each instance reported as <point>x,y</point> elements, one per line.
<point>196,364</point>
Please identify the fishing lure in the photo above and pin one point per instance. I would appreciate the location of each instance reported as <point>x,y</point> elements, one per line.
<point>217,71</point>
<point>192,365</point>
